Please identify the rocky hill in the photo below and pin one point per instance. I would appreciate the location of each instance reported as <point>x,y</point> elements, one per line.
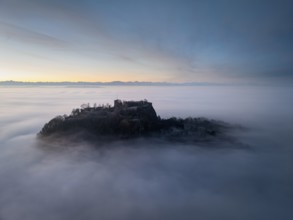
<point>130,119</point>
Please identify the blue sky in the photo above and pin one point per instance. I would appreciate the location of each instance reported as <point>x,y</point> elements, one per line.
<point>147,40</point>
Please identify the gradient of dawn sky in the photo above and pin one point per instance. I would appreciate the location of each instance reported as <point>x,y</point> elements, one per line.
<point>218,41</point>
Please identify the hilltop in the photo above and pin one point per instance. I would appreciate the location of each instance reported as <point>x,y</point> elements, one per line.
<point>131,119</point>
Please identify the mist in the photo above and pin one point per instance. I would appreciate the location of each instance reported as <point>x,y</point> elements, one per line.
<point>139,179</point>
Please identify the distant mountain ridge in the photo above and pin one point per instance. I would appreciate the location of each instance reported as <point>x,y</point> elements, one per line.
<point>112,83</point>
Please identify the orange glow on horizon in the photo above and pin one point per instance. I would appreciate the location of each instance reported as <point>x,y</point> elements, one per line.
<point>75,77</point>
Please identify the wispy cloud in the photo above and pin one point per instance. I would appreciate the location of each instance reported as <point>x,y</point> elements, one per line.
<point>175,39</point>
<point>11,32</point>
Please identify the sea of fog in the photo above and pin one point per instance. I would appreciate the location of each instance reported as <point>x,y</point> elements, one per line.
<point>66,180</point>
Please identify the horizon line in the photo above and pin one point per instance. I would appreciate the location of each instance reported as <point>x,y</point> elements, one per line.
<point>119,83</point>
<point>103,82</point>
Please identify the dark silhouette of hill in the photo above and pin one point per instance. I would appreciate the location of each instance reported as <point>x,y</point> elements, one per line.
<point>132,119</point>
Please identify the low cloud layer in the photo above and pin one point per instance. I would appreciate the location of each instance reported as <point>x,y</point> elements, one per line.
<point>158,181</point>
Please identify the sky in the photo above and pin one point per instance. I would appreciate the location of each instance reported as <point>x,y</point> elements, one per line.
<point>220,41</point>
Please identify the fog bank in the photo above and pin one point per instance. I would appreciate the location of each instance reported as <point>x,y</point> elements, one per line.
<point>154,180</point>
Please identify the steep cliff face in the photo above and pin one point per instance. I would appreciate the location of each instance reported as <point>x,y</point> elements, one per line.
<point>128,119</point>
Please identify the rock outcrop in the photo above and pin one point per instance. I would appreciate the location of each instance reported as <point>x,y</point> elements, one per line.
<point>130,119</point>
